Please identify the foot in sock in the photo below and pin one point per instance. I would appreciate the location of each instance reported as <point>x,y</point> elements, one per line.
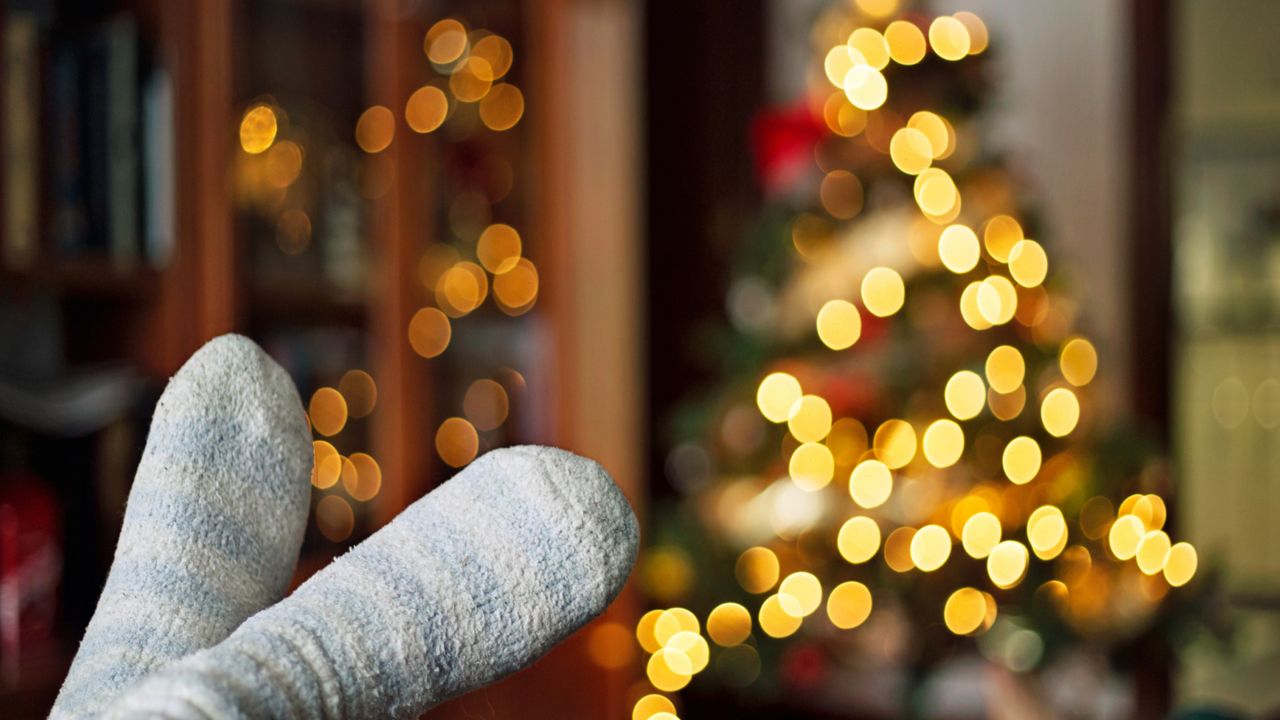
<point>212,527</point>
<point>474,581</point>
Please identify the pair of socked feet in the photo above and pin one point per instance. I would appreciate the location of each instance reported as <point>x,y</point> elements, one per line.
<point>472,582</point>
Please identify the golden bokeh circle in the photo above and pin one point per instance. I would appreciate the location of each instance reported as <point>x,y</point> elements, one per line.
<point>849,605</point>
<point>858,539</point>
<point>457,442</point>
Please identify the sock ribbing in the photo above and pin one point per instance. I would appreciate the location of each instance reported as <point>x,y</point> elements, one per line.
<point>212,527</point>
<point>473,582</point>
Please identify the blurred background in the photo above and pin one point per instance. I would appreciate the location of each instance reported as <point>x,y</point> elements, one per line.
<point>933,342</point>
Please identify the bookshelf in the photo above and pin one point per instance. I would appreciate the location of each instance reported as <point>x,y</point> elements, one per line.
<point>205,260</point>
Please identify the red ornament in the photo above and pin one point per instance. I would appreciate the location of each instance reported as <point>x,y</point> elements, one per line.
<point>783,139</point>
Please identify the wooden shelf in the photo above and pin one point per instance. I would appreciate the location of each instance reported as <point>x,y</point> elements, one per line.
<point>305,304</point>
<point>93,278</point>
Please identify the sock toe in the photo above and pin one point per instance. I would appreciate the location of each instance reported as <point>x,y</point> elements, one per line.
<point>587,508</point>
<point>213,523</point>
<point>472,582</point>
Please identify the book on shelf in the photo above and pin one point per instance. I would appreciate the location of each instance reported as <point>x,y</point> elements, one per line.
<point>110,147</point>
<point>118,38</point>
<point>158,169</point>
<point>21,204</point>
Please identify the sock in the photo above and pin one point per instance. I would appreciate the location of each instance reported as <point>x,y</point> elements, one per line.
<point>212,527</point>
<point>472,582</point>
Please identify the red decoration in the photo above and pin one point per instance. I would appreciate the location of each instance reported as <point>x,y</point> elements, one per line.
<point>783,139</point>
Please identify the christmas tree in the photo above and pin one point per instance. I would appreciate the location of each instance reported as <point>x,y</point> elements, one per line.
<point>904,441</point>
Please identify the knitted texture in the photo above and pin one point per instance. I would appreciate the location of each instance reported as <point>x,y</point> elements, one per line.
<point>212,527</point>
<point>472,582</point>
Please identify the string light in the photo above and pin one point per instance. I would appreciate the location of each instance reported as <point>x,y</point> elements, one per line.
<point>502,107</point>
<point>426,109</point>
<point>375,129</point>
<point>895,443</point>
<point>328,411</point>
<point>937,130</point>
<point>651,706</point>
<point>958,248</point>
<point>906,42</point>
<point>930,548</point>
<point>871,45</point>
<point>757,570</point>
<point>849,605</point>
<point>981,534</point>
<point>777,393</point>
<point>729,624</point>
<point>883,291</point>
<point>949,38</point>
<point>858,539</point>
<point>777,622</point>
<point>964,611</point>
<point>839,324</point>
<point>965,395</point>
<point>258,129</point>
<point>870,484</point>
<point>809,419</point>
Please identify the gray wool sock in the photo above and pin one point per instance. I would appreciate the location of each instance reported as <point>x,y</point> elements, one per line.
<point>472,582</point>
<point>212,527</point>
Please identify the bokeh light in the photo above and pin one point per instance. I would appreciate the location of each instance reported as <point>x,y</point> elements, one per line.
<point>982,532</point>
<point>809,419</point>
<point>958,249</point>
<point>729,624</point>
<point>429,332</point>
<point>327,465</point>
<point>426,109</point>
<point>964,611</point>
<point>895,443</point>
<point>517,289</point>
<point>328,411</point>
<point>757,570</point>
<point>258,129</point>
<point>883,291</point>
<point>334,518</point>
<point>906,42</point>
<point>858,539</point>
<point>647,707</point>
<point>965,395</point>
<point>870,484</point>
<point>498,248</point>
<point>871,46</point>
<point>360,392</point>
<point>839,324</point>
<point>1021,460</point>
<point>375,129</point>
<point>445,42</point>
<point>811,466</point>
<point>1060,412</point>
<point>1028,263</point>
<point>1005,369</point>
<point>485,404</point>
<point>849,605</point>
<point>1078,361</point>
<point>457,442</point>
<point>502,107</point>
<point>1007,564</point>
<point>366,480</point>
<point>776,395</point>
<point>865,87</point>
<point>943,443</point>
<point>930,548</point>
<point>949,38</point>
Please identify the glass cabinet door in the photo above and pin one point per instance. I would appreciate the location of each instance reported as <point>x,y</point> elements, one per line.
<point>1226,397</point>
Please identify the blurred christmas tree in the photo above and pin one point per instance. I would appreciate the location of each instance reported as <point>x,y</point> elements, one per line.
<point>904,439</point>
